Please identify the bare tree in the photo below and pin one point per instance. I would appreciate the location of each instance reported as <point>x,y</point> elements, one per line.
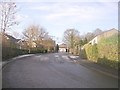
<point>89,36</point>
<point>31,33</point>
<point>34,34</point>
<point>72,39</point>
<point>8,11</point>
<point>49,44</point>
<point>97,32</point>
<point>42,35</point>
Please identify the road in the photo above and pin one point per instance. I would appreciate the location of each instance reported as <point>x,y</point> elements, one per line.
<point>53,70</point>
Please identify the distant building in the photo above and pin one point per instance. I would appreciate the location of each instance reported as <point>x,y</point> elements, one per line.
<point>63,48</point>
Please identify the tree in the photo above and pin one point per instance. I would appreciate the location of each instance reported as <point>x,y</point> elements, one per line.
<point>31,34</point>
<point>35,36</point>
<point>42,35</point>
<point>72,39</point>
<point>83,41</point>
<point>89,36</point>
<point>57,48</point>
<point>8,11</point>
<point>49,44</point>
<point>97,32</point>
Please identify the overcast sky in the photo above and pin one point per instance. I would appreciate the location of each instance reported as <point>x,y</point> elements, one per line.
<point>56,17</point>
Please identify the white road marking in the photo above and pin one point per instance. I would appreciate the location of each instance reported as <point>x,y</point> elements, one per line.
<point>74,60</point>
<point>44,59</point>
<point>56,56</point>
<point>65,57</point>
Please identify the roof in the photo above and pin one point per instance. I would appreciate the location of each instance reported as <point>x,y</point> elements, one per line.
<point>113,29</point>
<point>12,38</point>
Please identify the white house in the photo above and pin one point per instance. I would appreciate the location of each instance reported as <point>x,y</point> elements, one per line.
<point>94,41</point>
<point>62,47</point>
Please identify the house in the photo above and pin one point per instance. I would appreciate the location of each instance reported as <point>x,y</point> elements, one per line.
<point>105,34</point>
<point>9,41</point>
<point>22,44</point>
<point>63,48</point>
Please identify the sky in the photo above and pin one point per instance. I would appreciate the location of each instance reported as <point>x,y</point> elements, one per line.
<point>57,16</point>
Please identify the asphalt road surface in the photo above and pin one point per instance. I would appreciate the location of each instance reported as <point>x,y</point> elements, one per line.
<point>54,70</point>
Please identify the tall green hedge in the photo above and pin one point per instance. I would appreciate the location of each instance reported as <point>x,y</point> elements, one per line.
<point>105,52</point>
<point>108,51</point>
<point>91,52</point>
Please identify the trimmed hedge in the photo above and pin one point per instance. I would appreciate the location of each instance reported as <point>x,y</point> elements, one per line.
<point>8,52</point>
<point>38,50</point>
<point>105,52</point>
<point>108,47</point>
<point>91,52</point>
<point>107,62</point>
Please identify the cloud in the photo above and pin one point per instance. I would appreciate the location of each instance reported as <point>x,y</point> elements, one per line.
<point>40,8</point>
<point>75,12</point>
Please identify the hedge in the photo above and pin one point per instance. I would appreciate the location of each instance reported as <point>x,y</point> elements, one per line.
<point>105,52</point>
<point>107,62</point>
<point>8,52</point>
<point>91,52</point>
<point>38,50</point>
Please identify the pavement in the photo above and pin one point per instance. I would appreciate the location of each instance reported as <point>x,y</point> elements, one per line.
<point>94,66</point>
<point>54,70</point>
